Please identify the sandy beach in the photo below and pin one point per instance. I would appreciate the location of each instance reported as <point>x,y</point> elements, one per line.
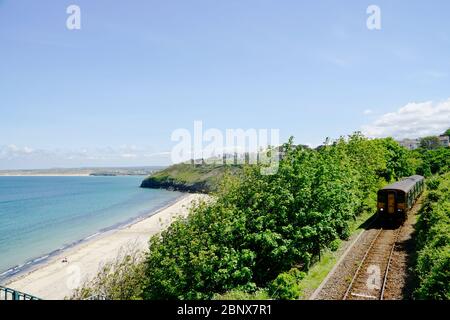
<point>55,280</point>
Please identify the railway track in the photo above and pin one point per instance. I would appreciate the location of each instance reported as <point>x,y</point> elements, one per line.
<point>371,276</point>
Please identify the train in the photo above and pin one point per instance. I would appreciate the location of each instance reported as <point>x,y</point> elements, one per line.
<point>397,199</point>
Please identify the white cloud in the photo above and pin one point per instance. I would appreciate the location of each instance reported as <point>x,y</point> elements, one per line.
<point>412,121</point>
<point>368,111</point>
<point>17,157</point>
<point>12,151</point>
<point>129,155</point>
<point>28,150</point>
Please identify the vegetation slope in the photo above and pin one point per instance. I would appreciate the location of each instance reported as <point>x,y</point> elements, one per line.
<point>433,241</point>
<point>263,232</point>
<point>186,177</point>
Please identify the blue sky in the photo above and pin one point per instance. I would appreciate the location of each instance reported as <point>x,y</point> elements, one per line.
<point>138,70</point>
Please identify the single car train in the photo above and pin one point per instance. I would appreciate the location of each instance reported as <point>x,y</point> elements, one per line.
<point>395,200</point>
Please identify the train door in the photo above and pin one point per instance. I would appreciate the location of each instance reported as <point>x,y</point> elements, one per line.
<point>391,202</point>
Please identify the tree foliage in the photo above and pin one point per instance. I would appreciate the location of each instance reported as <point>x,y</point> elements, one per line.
<point>261,226</point>
<point>430,162</point>
<point>447,132</point>
<point>430,143</point>
<point>433,262</point>
<point>261,233</point>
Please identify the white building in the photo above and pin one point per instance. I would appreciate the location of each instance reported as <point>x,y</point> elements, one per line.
<point>445,141</point>
<point>410,144</point>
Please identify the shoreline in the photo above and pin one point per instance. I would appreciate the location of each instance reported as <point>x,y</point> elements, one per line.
<point>18,271</point>
<point>46,175</point>
<point>91,174</point>
<point>51,279</point>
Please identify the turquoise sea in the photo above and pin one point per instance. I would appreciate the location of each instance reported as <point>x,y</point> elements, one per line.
<point>40,216</point>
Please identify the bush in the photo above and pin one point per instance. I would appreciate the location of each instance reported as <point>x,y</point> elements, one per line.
<point>334,245</point>
<point>237,294</point>
<point>433,227</point>
<point>286,285</point>
<point>429,162</point>
<point>433,183</point>
<point>120,279</point>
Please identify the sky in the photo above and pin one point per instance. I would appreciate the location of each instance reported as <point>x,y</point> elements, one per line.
<point>113,92</point>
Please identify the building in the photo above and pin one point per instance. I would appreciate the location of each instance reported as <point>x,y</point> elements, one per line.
<point>445,141</point>
<point>410,144</point>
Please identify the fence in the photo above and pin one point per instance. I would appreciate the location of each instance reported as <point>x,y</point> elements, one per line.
<point>11,294</point>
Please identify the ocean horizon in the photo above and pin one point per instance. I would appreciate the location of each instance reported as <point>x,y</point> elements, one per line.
<point>43,216</point>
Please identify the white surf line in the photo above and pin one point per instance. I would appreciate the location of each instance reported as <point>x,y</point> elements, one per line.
<point>92,236</point>
<point>6,272</point>
<point>40,258</point>
<point>336,265</point>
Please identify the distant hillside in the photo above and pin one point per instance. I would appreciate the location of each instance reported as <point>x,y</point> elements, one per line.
<point>186,177</point>
<point>92,171</point>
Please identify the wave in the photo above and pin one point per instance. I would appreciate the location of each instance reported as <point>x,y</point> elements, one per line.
<point>92,236</point>
<point>30,264</point>
<point>40,258</point>
<point>6,272</point>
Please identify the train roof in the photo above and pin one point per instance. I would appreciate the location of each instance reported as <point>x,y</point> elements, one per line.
<point>404,185</point>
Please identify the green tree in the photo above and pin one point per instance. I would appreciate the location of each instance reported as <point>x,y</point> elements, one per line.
<point>260,233</point>
<point>430,143</point>
<point>447,133</point>
<point>397,160</point>
<point>431,162</point>
<point>259,227</point>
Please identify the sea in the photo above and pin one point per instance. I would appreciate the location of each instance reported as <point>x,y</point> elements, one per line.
<point>42,216</point>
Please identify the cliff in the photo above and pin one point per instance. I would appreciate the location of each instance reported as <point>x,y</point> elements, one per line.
<point>185,177</point>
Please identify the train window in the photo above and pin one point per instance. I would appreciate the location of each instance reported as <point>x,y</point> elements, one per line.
<point>382,197</point>
<point>400,197</point>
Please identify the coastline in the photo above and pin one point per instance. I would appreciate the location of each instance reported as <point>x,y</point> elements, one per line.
<point>46,175</point>
<point>55,280</point>
<point>18,271</point>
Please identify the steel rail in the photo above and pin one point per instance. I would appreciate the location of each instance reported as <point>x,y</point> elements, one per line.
<point>383,288</point>
<point>361,264</point>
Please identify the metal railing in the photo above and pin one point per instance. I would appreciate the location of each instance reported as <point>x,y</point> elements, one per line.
<point>11,294</point>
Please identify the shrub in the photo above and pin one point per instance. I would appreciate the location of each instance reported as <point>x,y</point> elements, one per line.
<point>237,294</point>
<point>120,279</point>
<point>433,183</point>
<point>433,244</point>
<point>286,285</point>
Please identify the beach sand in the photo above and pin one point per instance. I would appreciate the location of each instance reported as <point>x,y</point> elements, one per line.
<point>56,280</point>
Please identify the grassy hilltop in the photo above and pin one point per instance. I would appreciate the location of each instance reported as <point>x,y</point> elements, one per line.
<point>187,177</point>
